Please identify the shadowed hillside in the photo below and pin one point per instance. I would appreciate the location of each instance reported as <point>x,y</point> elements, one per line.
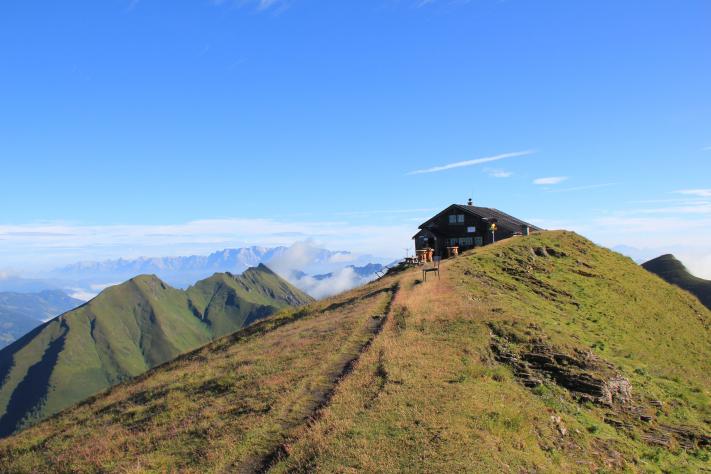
<point>672,270</point>
<point>22,312</point>
<point>123,332</point>
<point>536,354</point>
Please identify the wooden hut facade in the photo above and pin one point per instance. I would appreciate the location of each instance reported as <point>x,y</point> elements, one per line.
<point>468,226</point>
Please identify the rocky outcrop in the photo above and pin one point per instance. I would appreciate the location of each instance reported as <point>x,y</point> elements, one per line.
<point>587,377</point>
<point>583,374</point>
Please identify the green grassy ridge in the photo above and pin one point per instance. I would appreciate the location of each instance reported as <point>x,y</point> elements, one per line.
<point>124,331</point>
<point>673,271</point>
<point>230,402</point>
<point>428,394</point>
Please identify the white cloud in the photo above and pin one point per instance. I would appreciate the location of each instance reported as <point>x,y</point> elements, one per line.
<point>697,263</point>
<point>306,257</point>
<point>82,293</point>
<point>550,180</point>
<point>497,173</point>
<point>695,192</point>
<point>582,188</point>
<point>260,4</point>
<point>295,258</point>
<point>98,287</point>
<point>706,148</point>
<point>341,257</point>
<point>340,281</point>
<point>698,208</point>
<point>383,212</point>
<point>478,161</point>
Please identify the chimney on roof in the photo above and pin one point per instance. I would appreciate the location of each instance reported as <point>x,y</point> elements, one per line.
<point>470,202</point>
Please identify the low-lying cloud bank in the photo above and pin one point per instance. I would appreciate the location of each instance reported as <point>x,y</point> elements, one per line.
<point>318,273</point>
<point>340,281</point>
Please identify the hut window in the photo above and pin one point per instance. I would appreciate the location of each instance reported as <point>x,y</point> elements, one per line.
<point>456,219</point>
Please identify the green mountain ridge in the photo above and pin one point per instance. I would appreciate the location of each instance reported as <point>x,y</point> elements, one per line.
<point>673,271</point>
<point>124,331</point>
<point>543,353</point>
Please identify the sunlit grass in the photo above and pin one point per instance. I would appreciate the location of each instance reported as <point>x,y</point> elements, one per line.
<point>426,395</point>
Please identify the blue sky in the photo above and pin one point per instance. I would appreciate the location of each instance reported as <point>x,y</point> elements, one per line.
<point>155,128</point>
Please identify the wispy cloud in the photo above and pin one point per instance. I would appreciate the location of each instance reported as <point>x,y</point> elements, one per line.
<point>699,209</point>
<point>695,192</point>
<point>477,161</point>
<point>583,188</point>
<point>498,173</point>
<point>384,212</point>
<point>706,148</point>
<point>33,246</point>
<point>265,4</point>
<point>550,180</point>
<point>260,5</point>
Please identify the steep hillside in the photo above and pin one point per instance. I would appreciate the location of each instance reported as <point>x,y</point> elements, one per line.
<point>536,354</point>
<point>22,312</point>
<point>123,332</point>
<point>673,271</point>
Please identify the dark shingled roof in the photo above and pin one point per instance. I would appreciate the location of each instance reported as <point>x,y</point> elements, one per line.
<point>503,220</point>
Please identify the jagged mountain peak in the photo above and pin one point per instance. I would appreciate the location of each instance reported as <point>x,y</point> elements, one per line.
<point>122,332</point>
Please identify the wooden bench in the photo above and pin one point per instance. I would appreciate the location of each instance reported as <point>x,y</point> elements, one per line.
<point>434,268</point>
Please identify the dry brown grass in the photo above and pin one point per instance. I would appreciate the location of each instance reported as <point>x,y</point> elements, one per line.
<point>299,393</point>
<point>424,398</point>
<point>224,407</point>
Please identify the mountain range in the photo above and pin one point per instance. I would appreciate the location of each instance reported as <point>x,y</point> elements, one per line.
<point>673,271</point>
<point>544,353</point>
<point>124,331</point>
<point>86,279</point>
<point>181,270</point>
<point>22,312</point>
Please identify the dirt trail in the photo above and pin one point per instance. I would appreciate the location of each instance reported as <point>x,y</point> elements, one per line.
<point>320,397</point>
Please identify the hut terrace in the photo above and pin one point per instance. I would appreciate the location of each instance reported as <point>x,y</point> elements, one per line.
<point>461,227</point>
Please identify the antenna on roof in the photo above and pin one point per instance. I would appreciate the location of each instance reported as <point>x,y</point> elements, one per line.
<point>470,202</point>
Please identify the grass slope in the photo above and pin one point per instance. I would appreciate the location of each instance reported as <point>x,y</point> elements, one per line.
<point>673,271</point>
<point>22,312</point>
<point>536,354</point>
<point>124,331</point>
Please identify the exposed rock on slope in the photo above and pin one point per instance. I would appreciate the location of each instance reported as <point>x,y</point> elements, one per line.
<point>536,354</point>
